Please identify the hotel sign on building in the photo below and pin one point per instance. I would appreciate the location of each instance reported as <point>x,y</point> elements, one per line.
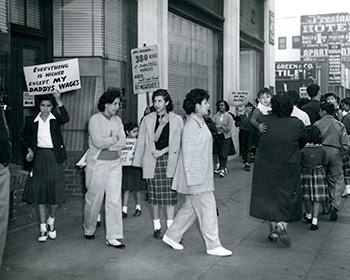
<point>317,31</point>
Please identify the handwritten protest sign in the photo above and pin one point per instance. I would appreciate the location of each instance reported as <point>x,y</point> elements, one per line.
<point>145,69</point>
<point>47,78</point>
<point>238,98</point>
<point>128,152</point>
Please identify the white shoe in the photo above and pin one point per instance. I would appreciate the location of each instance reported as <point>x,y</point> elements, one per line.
<point>43,236</point>
<point>52,231</point>
<point>219,251</point>
<point>172,243</point>
<point>345,193</point>
<point>222,173</point>
<point>217,171</point>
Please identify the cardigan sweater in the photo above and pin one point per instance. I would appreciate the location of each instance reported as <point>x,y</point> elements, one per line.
<point>145,145</point>
<point>31,134</point>
<point>104,134</point>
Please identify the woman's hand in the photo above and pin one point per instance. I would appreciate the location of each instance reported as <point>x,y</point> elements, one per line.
<point>262,127</point>
<point>30,155</point>
<point>157,153</point>
<point>57,95</point>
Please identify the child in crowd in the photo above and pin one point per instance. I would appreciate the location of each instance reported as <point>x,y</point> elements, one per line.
<point>132,176</point>
<point>332,98</point>
<point>345,104</point>
<point>264,107</point>
<point>313,176</point>
<point>245,127</point>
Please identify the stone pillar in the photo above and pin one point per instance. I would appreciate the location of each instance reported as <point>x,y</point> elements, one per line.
<point>231,55</point>
<point>153,29</point>
<point>269,49</point>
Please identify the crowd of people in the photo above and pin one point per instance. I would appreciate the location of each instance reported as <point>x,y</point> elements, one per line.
<point>300,149</point>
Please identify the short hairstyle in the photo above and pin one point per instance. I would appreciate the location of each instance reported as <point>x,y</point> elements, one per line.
<point>263,91</point>
<point>295,96</point>
<point>227,107</point>
<point>195,96</point>
<point>281,104</point>
<point>314,134</point>
<point>249,104</point>
<point>312,90</point>
<point>328,107</point>
<point>45,97</point>
<point>129,126</point>
<point>107,98</point>
<point>329,94</point>
<point>166,96</point>
<point>346,100</point>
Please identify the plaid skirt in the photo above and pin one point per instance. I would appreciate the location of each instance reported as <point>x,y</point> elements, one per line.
<point>159,187</point>
<point>45,181</point>
<point>314,184</point>
<point>346,167</point>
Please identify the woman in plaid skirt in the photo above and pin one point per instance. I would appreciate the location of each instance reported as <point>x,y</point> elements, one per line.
<point>157,151</point>
<point>313,176</point>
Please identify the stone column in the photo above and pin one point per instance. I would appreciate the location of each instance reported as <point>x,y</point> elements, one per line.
<point>153,29</point>
<point>269,49</point>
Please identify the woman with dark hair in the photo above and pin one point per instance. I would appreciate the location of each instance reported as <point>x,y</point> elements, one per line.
<point>195,179</point>
<point>104,169</point>
<point>224,125</point>
<point>276,192</point>
<point>157,152</point>
<point>44,146</point>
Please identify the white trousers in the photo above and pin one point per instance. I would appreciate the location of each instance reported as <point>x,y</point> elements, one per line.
<point>104,177</point>
<point>203,207</point>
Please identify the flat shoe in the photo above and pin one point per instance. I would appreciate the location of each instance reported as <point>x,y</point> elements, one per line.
<point>172,243</point>
<point>220,252</point>
<point>314,227</point>
<point>137,213</point>
<point>119,246</point>
<point>90,237</point>
<point>307,220</point>
<point>283,235</point>
<point>333,214</point>
<point>272,238</point>
<point>43,236</point>
<point>158,234</point>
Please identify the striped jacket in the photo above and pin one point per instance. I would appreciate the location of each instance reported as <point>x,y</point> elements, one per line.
<point>194,171</point>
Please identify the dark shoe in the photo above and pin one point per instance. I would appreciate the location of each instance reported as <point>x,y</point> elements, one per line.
<point>247,167</point>
<point>272,238</point>
<point>98,223</point>
<point>158,234</point>
<point>314,227</point>
<point>325,212</point>
<point>137,213</point>
<point>217,212</point>
<point>333,214</point>
<point>120,246</point>
<point>90,237</point>
<point>124,215</point>
<point>283,235</point>
<point>307,220</point>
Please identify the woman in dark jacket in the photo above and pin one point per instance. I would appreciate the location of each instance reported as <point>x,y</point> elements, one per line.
<point>276,192</point>
<point>44,146</point>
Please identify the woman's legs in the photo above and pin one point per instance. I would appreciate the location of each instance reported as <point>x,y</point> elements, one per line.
<point>170,210</point>
<point>125,203</point>
<point>316,209</point>
<point>42,213</point>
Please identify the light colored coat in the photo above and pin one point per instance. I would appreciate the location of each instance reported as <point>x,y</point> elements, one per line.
<point>145,145</point>
<point>194,173</point>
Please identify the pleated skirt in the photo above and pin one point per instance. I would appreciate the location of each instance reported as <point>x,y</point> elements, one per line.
<point>45,181</point>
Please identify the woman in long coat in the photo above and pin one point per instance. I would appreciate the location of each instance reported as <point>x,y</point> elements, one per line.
<point>276,192</point>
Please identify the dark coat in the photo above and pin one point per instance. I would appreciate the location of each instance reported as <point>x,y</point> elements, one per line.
<point>276,191</point>
<point>5,144</point>
<point>31,132</point>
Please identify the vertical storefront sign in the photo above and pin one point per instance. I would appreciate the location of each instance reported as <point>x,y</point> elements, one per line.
<point>334,63</point>
<point>271,28</point>
<point>145,69</point>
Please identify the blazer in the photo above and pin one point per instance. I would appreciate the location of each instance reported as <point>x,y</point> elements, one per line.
<point>31,133</point>
<point>145,145</point>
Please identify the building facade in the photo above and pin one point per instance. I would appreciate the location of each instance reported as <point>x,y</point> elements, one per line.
<point>222,46</point>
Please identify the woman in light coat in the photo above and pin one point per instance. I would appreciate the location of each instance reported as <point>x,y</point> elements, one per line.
<point>157,152</point>
<point>194,178</point>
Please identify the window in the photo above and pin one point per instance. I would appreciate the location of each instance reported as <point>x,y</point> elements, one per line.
<point>296,42</point>
<point>26,13</point>
<point>282,43</point>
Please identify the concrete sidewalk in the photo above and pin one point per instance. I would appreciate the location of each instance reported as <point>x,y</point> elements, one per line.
<point>321,254</point>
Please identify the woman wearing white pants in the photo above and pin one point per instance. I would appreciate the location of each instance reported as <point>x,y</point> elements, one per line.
<point>104,170</point>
